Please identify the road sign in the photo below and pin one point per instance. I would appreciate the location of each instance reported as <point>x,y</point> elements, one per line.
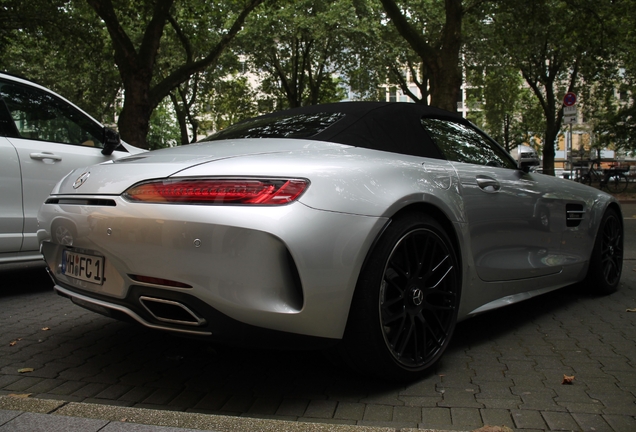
<point>569,119</point>
<point>569,110</point>
<point>569,99</point>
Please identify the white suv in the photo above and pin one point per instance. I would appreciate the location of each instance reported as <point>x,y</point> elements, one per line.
<point>42,138</point>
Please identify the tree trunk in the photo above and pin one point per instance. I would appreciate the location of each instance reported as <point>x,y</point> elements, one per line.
<point>136,64</point>
<point>442,58</point>
<point>181,119</point>
<point>134,119</point>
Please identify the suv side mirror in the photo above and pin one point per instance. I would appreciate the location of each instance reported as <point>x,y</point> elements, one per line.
<point>526,164</point>
<point>111,141</point>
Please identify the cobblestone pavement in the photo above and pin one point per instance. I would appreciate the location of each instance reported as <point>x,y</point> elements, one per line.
<point>502,368</point>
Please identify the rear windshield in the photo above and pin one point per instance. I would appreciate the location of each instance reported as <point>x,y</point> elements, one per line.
<point>296,126</point>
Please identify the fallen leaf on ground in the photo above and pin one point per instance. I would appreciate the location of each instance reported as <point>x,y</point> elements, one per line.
<point>25,370</point>
<point>488,428</point>
<point>567,379</point>
<point>46,328</point>
<point>13,342</point>
<point>20,396</point>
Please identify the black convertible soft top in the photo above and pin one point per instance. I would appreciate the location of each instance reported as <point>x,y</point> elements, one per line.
<point>385,126</point>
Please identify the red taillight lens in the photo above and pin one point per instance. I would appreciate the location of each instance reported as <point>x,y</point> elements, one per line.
<point>218,191</point>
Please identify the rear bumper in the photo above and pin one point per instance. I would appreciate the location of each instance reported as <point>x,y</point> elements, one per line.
<point>290,269</point>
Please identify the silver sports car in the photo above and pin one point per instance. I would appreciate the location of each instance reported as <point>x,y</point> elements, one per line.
<point>369,228</point>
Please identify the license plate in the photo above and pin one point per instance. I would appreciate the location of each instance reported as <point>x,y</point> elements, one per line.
<point>89,268</point>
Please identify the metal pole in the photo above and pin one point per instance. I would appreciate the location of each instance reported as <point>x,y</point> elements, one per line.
<point>570,155</point>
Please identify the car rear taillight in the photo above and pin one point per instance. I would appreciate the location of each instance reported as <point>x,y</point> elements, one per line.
<point>218,191</point>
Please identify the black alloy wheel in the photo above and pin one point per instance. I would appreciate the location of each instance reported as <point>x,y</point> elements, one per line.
<point>405,307</point>
<point>418,303</point>
<point>606,262</point>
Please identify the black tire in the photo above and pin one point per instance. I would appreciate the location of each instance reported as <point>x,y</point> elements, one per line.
<point>405,306</point>
<point>616,183</point>
<point>606,262</point>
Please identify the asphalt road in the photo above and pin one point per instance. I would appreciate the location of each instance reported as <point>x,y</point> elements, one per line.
<point>502,368</point>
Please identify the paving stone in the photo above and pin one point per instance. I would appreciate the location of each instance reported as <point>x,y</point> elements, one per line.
<point>7,380</point>
<point>427,387</point>
<point>292,407</point>
<point>500,403</point>
<point>378,413</point>
<point>321,409</point>
<point>591,422</point>
<point>559,421</point>
<point>469,417</point>
<point>159,397</point>
<point>212,401</point>
<point>349,411</point>
<point>90,390</point>
<point>621,423</point>
<point>264,406</point>
<point>495,390</point>
<point>436,416</point>
<point>383,399</point>
<point>7,415</point>
<point>36,422</point>
<point>23,384</point>
<point>459,397</point>
<point>528,419</point>
<point>136,394</point>
<point>402,414</point>
<point>497,417</point>
<point>238,404</point>
<point>528,379</point>
<point>593,407</point>
<point>418,401</point>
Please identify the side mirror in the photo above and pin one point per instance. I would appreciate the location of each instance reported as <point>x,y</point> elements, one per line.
<point>111,141</point>
<point>526,164</point>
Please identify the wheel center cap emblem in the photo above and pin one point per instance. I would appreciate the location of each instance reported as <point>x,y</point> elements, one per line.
<point>418,297</point>
<point>81,179</point>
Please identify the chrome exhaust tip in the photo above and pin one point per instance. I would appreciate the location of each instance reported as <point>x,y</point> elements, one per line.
<point>170,311</point>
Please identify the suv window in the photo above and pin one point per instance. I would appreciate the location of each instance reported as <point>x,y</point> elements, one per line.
<point>460,143</point>
<point>41,116</point>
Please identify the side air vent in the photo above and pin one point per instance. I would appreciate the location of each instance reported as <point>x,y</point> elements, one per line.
<point>82,202</point>
<point>574,215</point>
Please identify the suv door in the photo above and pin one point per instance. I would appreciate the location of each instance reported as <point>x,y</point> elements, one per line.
<point>49,137</point>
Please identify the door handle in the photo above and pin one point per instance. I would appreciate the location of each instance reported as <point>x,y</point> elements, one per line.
<point>488,184</point>
<point>45,155</point>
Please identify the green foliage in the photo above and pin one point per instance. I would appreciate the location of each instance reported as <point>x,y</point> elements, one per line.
<point>557,45</point>
<point>164,130</point>
<point>226,102</point>
<point>507,110</point>
<point>306,51</point>
<point>610,107</point>
<point>61,45</point>
<point>300,47</point>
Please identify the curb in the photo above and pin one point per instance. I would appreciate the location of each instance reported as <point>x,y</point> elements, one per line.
<point>124,416</point>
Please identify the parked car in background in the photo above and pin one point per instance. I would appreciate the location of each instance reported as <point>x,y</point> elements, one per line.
<point>368,227</point>
<point>42,138</point>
